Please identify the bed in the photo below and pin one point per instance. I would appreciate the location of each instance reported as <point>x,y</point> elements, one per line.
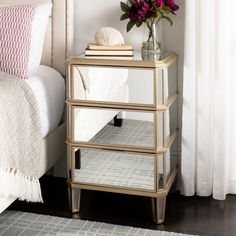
<point>48,85</point>
<point>57,47</point>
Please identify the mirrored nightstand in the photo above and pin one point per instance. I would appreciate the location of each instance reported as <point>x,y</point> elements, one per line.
<point>122,127</point>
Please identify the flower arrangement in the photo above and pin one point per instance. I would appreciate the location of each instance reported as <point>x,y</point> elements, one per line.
<point>147,11</point>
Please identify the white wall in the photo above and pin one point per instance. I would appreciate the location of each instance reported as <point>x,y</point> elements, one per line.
<point>90,15</point>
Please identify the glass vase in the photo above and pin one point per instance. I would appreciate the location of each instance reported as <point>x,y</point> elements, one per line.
<point>152,45</point>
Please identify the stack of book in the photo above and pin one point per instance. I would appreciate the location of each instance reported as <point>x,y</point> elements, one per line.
<point>124,52</point>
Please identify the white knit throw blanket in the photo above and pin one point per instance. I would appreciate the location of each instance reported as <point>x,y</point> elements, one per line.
<point>20,140</point>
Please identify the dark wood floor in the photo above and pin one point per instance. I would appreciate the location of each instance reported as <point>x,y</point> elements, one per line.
<point>192,215</point>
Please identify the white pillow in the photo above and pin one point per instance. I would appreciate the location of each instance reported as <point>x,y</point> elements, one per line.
<point>39,26</point>
<point>15,38</point>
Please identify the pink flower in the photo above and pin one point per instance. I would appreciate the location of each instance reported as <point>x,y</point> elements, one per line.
<point>138,11</point>
<point>160,3</point>
<point>172,5</point>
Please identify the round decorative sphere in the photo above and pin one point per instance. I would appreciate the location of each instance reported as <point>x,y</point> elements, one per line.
<point>108,36</point>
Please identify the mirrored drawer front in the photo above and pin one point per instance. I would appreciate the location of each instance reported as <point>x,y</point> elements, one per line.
<point>112,84</point>
<point>167,164</point>
<point>170,118</point>
<point>113,127</point>
<point>142,130</point>
<point>170,82</point>
<point>115,168</point>
<point>171,158</point>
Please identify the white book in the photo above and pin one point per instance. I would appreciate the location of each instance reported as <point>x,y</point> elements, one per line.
<point>123,47</point>
<point>89,52</point>
<point>110,57</point>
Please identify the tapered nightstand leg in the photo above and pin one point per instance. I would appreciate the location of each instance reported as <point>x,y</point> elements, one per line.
<point>160,209</point>
<point>75,195</point>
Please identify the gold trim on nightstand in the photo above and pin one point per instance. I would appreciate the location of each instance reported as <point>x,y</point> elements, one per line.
<point>133,63</point>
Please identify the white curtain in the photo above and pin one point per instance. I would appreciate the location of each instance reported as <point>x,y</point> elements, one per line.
<point>209,99</point>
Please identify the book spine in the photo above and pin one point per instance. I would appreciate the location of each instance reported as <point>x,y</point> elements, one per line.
<point>108,53</point>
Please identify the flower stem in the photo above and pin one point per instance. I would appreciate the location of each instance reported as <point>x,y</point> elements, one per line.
<point>150,30</point>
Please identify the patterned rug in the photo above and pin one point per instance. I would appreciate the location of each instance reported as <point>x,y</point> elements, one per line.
<point>14,223</point>
<point>133,132</point>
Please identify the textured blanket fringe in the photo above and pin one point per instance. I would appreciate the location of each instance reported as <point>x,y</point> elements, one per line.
<point>15,184</point>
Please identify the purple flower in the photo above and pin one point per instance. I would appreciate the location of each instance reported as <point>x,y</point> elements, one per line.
<point>172,5</point>
<point>160,3</point>
<point>139,10</point>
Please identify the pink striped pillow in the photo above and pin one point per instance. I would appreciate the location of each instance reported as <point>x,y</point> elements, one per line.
<point>15,38</point>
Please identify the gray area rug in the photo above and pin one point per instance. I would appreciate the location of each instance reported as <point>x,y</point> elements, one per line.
<point>14,223</point>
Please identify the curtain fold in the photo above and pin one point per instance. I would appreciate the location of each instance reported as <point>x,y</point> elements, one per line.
<point>208,164</point>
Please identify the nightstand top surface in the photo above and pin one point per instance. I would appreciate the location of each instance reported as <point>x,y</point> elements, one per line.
<point>138,60</point>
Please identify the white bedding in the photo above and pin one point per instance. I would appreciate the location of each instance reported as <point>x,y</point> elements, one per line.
<point>49,89</point>
<point>53,148</point>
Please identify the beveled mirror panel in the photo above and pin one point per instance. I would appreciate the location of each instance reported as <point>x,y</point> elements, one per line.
<point>170,81</point>
<point>172,157</point>
<point>114,127</point>
<point>162,170</point>
<point>115,169</point>
<point>113,85</point>
<point>171,121</point>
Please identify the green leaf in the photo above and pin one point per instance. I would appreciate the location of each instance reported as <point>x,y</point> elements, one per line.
<point>167,9</point>
<point>124,7</point>
<point>124,16</point>
<point>129,3</point>
<point>139,23</point>
<point>168,19</point>
<point>159,15</point>
<point>162,11</point>
<point>130,25</point>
